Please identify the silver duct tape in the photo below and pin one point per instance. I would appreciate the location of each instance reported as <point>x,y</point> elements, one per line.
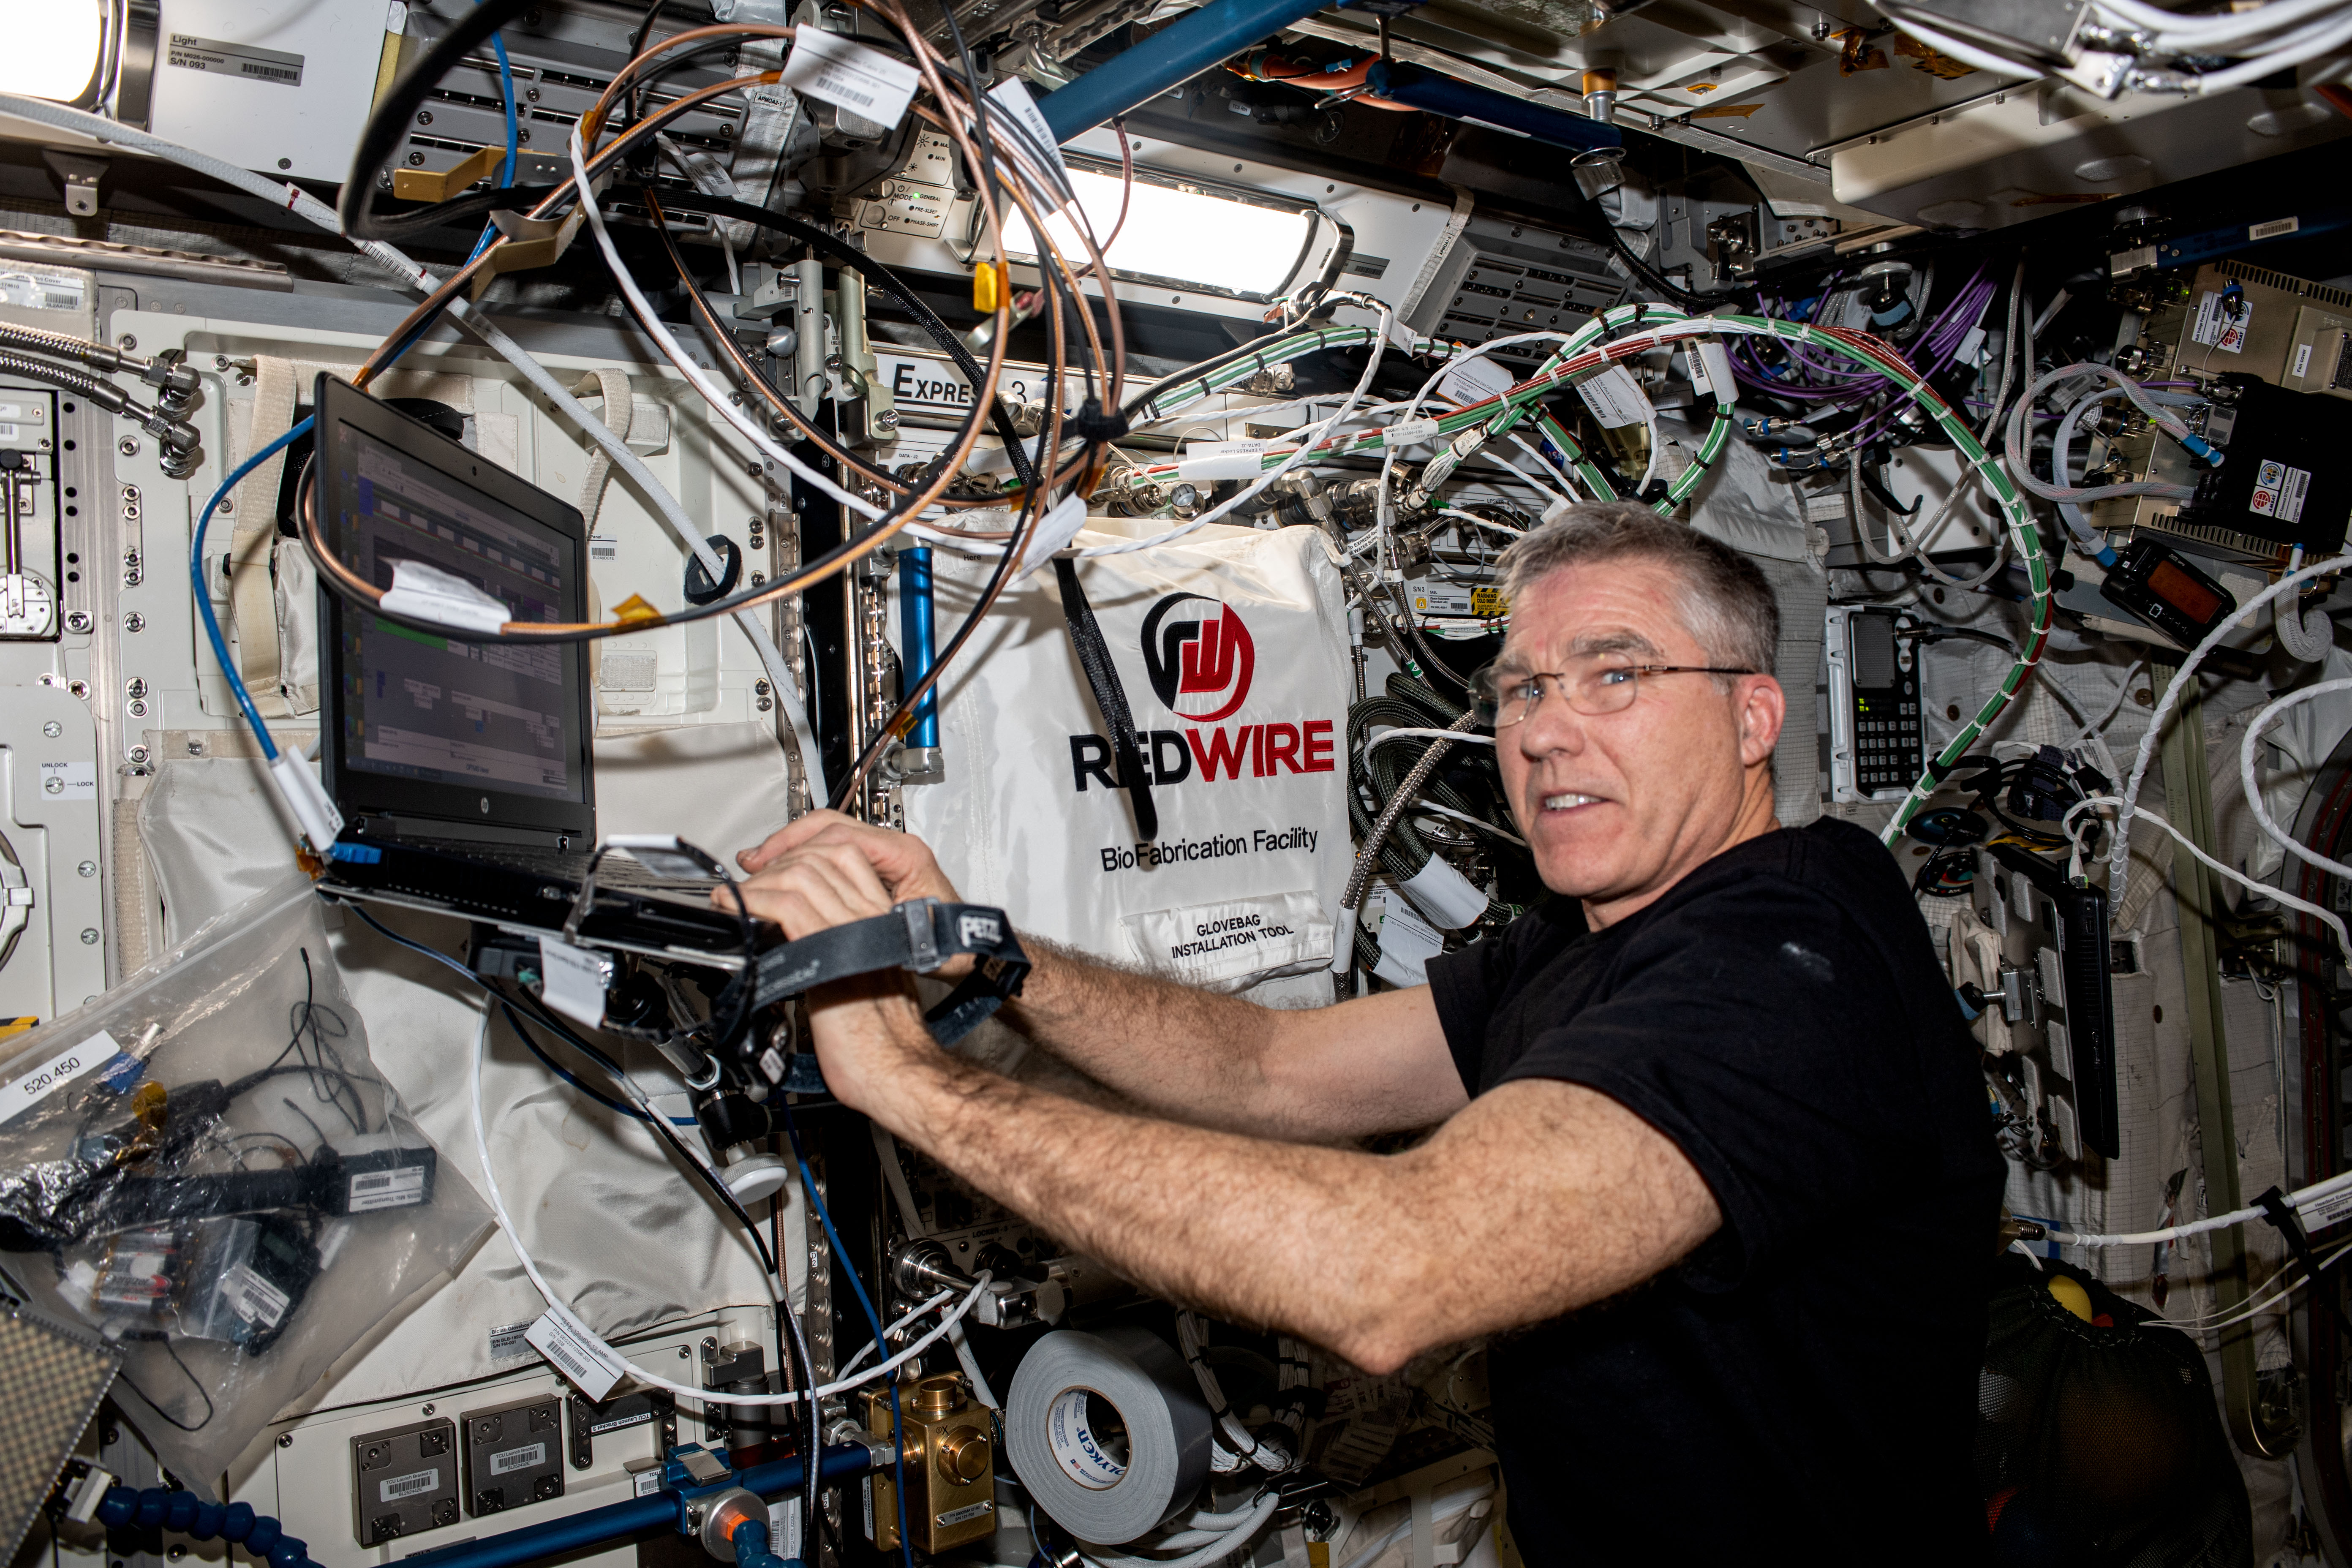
<point>1058,1428</point>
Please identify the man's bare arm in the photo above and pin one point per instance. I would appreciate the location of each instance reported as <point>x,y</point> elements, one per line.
<point>1377,1258</point>
<point>1373,1064</point>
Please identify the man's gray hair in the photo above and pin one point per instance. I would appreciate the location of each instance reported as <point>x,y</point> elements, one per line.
<point>1727,601</point>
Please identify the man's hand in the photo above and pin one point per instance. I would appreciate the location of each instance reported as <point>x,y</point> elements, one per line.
<point>811,870</point>
<point>902,861</point>
<point>818,874</point>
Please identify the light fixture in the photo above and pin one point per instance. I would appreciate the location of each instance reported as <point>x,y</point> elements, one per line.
<point>56,50</point>
<point>1184,235</point>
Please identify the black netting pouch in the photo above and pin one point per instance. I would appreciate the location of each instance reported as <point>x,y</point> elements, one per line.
<point>2099,1444</point>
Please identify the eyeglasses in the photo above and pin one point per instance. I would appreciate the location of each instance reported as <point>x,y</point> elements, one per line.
<point>1603,686</point>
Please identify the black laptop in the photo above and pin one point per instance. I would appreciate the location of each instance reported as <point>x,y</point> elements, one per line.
<point>463,769</point>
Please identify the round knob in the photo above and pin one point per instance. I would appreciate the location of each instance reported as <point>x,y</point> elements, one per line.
<point>964,1454</point>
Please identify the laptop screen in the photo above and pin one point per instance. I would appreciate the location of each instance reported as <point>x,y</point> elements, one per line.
<point>501,721</point>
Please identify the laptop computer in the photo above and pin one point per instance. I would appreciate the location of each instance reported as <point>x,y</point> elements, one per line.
<point>463,769</point>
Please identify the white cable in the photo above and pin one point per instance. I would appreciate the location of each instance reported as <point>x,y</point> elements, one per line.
<point>970,1364</point>
<point>2030,1256</point>
<point>2298,1199</point>
<point>868,1347</point>
<point>1407,733</point>
<point>2263,720</point>
<point>1448,1510</point>
<point>2174,28</point>
<point>1967,54</point>
<point>2328,918</point>
<point>704,381</point>
<point>1307,439</point>
<point>2119,857</point>
<point>1480,823</point>
<point>1481,521</point>
<point>1216,1551</point>
<point>571,1321</point>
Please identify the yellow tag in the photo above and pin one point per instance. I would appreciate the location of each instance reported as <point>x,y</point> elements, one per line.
<point>15,1025</point>
<point>1488,602</point>
<point>988,286</point>
<point>634,608</point>
<point>1318,1554</point>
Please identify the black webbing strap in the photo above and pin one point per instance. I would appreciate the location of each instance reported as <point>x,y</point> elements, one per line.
<point>919,936</point>
<point>2283,1219</point>
<point>1110,697</point>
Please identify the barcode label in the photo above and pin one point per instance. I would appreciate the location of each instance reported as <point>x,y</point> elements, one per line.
<point>413,1484</point>
<point>529,1458</point>
<point>395,1189</point>
<point>849,76</point>
<point>506,1340</point>
<point>969,1511</point>
<point>2321,1212</point>
<point>254,1299</point>
<point>212,56</point>
<point>603,547</point>
<point>2275,228</point>
<point>580,1356</point>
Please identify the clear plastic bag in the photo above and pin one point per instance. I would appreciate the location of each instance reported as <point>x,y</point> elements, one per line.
<point>204,1165</point>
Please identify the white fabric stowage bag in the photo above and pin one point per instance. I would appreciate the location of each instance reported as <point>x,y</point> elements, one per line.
<point>1232,648</point>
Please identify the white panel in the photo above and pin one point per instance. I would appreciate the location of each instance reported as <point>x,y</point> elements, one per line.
<point>237,102</point>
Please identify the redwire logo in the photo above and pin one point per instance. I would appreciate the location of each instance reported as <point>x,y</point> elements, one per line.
<point>1199,658</point>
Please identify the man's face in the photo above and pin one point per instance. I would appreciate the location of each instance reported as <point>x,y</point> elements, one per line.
<point>1618,807</point>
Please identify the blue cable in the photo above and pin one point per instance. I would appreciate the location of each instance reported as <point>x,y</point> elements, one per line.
<point>506,178</point>
<point>204,591</point>
<point>881,1351</point>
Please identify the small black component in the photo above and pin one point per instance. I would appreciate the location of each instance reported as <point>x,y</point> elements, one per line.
<point>404,1480</point>
<point>1950,824</point>
<point>513,1454</point>
<point>699,588</point>
<point>656,1408</point>
<point>2041,790</point>
<point>2153,582</point>
<point>2282,476</point>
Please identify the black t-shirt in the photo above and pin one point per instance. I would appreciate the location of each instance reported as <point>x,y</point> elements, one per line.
<point>1806,1381</point>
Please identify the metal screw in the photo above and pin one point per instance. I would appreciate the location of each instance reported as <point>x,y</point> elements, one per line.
<point>78,621</point>
<point>88,869</point>
<point>135,687</point>
<point>196,746</point>
<point>286,1439</point>
<point>683,1353</point>
<point>139,754</point>
<point>424,117</point>
<point>428,1410</point>
<point>134,622</point>
<point>137,708</point>
<point>417,160</point>
<point>127,342</point>
<point>531,95</point>
<point>174,1552</point>
<point>285,163</point>
<point>128,446</point>
<point>53,729</point>
<point>89,936</point>
<point>762,688</point>
<point>54,784</point>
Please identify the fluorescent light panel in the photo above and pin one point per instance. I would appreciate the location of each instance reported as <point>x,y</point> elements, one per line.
<point>52,48</point>
<point>1186,237</point>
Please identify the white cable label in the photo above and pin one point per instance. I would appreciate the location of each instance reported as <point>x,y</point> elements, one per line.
<point>2321,1212</point>
<point>1616,398</point>
<point>1011,95</point>
<point>1710,368</point>
<point>1474,381</point>
<point>426,592</point>
<point>1407,944</point>
<point>1407,432</point>
<point>585,1360</point>
<point>850,75</point>
<point>1055,531</point>
<point>571,981</point>
<point>1445,894</point>
<point>1199,465</point>
<point>25,1092</point>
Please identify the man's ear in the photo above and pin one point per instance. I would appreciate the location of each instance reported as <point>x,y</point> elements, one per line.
<point>1763,708</point>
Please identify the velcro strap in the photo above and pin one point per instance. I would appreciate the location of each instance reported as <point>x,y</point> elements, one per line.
<point>1110,697</point>
<point>919,936</point>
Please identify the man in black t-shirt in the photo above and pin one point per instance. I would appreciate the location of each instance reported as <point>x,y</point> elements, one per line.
<point>1715,1167</point>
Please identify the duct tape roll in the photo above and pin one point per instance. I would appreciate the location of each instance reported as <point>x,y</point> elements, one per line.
<point>1107,1432</point>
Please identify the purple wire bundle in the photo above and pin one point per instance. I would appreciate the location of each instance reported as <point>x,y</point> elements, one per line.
<point>1837,384</point>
